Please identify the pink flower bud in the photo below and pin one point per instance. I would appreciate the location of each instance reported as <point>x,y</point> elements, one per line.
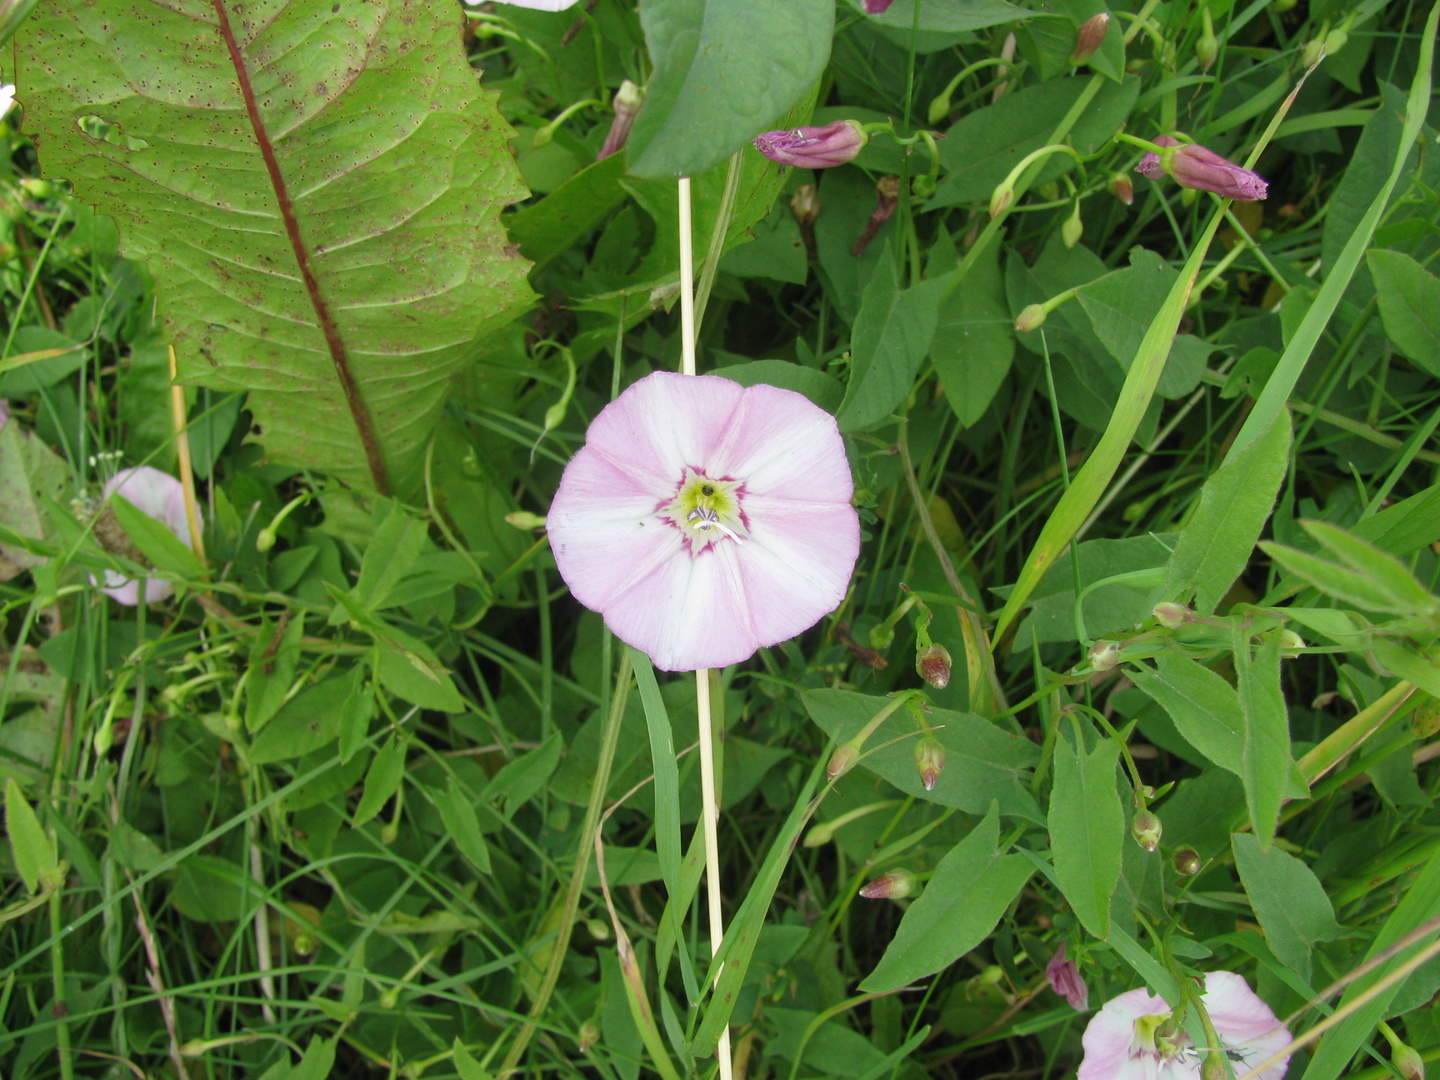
<point>877,7</point>
<point>1146,829</point>
<point>1200,169</point>
<point>933,665</point>
<point>896,885</point>
<point>1065,980</point>
<point>1104,655</point>
<point>929,760</point>
<point>842,760</point>
<point>627,104</point>
<point>1187,861</point>
<point>587,1036</point>
<point>814,148</point>
<point>1122,189</point>
<point>1171,616</point>
<point>1032,318</point>
<point>1092,33</point>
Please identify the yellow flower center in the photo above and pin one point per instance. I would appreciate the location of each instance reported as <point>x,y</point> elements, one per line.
<point>707,510</point>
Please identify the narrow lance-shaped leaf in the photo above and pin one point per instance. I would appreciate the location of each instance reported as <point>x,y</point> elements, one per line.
<point>316,190</point>
<point>1265,758</point>
<point>1087,830</point>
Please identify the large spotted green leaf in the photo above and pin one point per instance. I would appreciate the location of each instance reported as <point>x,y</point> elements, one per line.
<point>316,187</point>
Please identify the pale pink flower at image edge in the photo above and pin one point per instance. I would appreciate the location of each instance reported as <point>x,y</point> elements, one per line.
<point>1248,1029</point>
<point>768,554</point>
<point>160,496</point>
<point>1064,978</point>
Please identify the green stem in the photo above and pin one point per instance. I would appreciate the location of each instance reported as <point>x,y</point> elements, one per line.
<point>57,973</point>
<point>609,739</point>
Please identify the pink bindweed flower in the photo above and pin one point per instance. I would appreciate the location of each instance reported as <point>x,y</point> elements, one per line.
<point>160,496</point>
<point>705,519</point>
<point>812,147</point>
<point>1195,167</point>
<point>1129,1039</point>
<point>627,106</point>
<point>1065,980</point>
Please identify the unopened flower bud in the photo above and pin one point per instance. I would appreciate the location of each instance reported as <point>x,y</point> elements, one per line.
<point>895,885</point>
<point>1336,40</point>
<point>265,540</point>
<point>587,1036</point>
<point>1216,1066</point>
<point>1032,318</point>
<point>1170,615</point>
<point>1001,199</point>
<point>1104,655</point>
<point>842,760</point>
<point>1121,188</point>
<point>805,205</point>
<point>1290,643</point>
<point>877,7</point>
<point>1187,861</point>
<point>933,665</point>
<point>1064,978</point>
<point>812,147</point>
<point>929,760</point>
<point>1074,228</point>
<point>523,519</point>
<point>1312,53</point>
<point>1407,1061</point>
<point>1146,829</point>
<point>1207,48</point>
<point>1088,41</point>
<point>104,739</point>
<point>882,636</point>
<point>599,929</point>
<point>627,103</point>
<point>1198,169</point>
<point>923,186</point>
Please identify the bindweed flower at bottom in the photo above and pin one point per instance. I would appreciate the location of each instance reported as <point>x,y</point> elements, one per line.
<point>813,147</point>
<point>1128,1038</point>
<point>155,494</point>
<point>705,519</point>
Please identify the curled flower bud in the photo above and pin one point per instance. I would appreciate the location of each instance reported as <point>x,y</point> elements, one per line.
<point>895,885</point>
<point>1088,41</point>
<point>1170,615</point>
<point>524,519</point>
<point>1104,655</point>
<point>1187,861</point>
<point>887,194</point>
<point>1146,829</point>
<point>805,205</point>
<point>627,104</point>
<point>1216,1067</point>
<point>1032,318</point>
<point>1065,980</point>
<point>1407,1061</point>
<point>814,148</point>
<point>842,760</point>
<point>1074,228</point>
<point>933,665</point>
<point>1121,188</point>
<point>1199,169</point>
<point>1001,199</point>
<point>587,1036</point>
<point>929,760</point>
<point>1208,47</point>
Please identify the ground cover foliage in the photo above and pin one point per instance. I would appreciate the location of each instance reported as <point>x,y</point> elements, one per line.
<point>328,809</point>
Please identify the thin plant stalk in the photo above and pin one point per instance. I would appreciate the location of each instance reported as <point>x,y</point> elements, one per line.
<point>187,471</point>
<point>710,808</point>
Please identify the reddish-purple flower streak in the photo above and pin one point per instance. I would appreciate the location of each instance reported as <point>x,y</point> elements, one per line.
<point>877,7</point>
<point>812,147</point>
